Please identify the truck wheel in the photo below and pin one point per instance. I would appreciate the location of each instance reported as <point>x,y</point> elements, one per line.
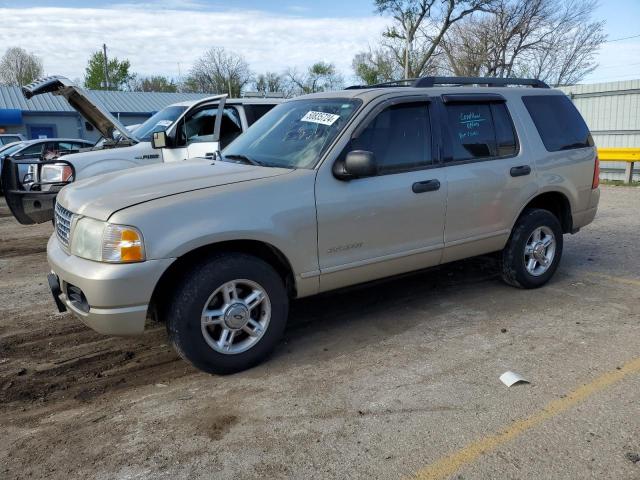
<point>228,313</point>
<point>533,252</point>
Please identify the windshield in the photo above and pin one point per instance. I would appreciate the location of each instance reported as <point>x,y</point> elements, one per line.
<point>294,134</point>
<point>12,148</point>
<point>158,122</point>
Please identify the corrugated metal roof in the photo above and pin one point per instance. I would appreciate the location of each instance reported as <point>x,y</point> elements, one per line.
<point>115,102</point>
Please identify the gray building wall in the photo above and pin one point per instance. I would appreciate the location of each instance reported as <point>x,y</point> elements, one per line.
<point>612,111</point>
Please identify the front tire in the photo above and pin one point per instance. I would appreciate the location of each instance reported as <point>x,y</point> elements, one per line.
<point>228,313</point>
<point>533,252</point>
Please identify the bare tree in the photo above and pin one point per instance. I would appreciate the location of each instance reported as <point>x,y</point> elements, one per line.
<point>154,83</point>
<point>546,39</point>
<point>420,25</point>
<point>269,82</point>
<point>19,67</point>
<point>319,77</point>
<point>218,71</point>
<point>568,53</point>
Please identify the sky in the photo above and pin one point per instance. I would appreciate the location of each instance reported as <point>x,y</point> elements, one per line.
<point>167,36</point>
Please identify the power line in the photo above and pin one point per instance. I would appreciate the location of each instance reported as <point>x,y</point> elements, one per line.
<point>623,38</point>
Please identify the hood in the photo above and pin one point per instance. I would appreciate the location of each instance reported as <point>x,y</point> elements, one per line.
<point>83,160</point>
<point>82,101</point>
<point>99,197</point>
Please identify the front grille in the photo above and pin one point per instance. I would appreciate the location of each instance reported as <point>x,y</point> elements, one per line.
<point>63,219</point>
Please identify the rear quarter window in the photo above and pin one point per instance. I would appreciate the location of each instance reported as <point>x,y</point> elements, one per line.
<point>558,122</point>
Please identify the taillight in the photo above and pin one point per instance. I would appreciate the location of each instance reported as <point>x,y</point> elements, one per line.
<point>596,174</point>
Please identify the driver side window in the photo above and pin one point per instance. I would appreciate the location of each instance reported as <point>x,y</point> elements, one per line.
<point>399,137</point>
<point>198,127</point>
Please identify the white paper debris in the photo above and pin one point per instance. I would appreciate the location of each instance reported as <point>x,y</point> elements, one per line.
<point>510,378</point>
<point>320,117</point>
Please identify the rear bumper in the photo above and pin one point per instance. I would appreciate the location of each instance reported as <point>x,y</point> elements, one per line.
<point>112,299</point>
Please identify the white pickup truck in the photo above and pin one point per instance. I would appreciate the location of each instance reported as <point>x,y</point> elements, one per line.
<point>188,129</point>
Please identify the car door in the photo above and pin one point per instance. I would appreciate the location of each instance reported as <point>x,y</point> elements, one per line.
<point>390,223</point>
<point>489,175</point>
<point>197,133</point>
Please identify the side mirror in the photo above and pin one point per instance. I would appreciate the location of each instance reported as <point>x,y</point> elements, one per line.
<point>159,140</point>
<point>357,164</point>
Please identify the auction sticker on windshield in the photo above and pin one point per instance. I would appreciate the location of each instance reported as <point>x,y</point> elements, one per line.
<point>320,117</point>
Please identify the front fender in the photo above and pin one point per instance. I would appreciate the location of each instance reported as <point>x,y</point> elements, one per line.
<point>278,211</point>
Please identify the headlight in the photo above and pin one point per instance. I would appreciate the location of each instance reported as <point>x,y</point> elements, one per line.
<point>56,173</point>
<point>106,242</point>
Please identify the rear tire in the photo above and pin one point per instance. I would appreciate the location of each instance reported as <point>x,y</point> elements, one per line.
<point>533,251</point>
<point>228,313</point>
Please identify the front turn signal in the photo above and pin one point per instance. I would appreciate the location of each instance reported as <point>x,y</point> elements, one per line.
<point>122,244</point>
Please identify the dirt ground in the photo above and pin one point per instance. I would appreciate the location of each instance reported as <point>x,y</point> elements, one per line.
<point>395,380</point>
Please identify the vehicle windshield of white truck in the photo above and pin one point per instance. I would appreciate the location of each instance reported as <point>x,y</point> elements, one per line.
<point>159,122</point>
<point>293,134</point>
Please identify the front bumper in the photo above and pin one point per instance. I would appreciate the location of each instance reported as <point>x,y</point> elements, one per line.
<point>112,299</point>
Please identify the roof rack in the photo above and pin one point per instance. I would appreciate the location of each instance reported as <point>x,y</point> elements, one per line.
<point>428,82</point>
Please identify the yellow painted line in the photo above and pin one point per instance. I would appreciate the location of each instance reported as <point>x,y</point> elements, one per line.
<point>626,281</point>
<point>619,154</point>
<point>447,466</point>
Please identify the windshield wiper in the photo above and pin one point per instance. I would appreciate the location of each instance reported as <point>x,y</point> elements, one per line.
<point>243,158</point>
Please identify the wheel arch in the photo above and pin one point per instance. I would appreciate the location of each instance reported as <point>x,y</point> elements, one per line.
<point>555,202</point>
<point>263,250</point>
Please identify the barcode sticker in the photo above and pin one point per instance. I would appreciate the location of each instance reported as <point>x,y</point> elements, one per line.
<point>320,117</point>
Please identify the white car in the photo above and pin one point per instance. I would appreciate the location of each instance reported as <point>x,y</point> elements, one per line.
<point>189,129</point>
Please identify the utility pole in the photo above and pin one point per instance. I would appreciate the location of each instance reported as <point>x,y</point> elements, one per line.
<point>106,85</point>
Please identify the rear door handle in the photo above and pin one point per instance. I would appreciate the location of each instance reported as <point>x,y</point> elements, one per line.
<point>520,171</point>
<point>426,186</point>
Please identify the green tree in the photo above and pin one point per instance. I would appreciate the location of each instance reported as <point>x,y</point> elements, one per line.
<point>376,67</point>
<point>119,73</point>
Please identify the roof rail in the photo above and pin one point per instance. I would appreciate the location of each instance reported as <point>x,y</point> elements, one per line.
<point>489,81</point>
<point>407,82</point>
<point>427,82</point>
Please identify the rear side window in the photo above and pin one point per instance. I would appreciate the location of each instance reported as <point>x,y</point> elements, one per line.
<point>8,139</point>
<point>559,123</point>
<point>399,137</point>
<point>481,130</point>
<point>34,149</point>
<point>254,112</point>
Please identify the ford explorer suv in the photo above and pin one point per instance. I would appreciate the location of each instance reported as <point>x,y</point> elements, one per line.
<point>193,129</point>
<point>325,191</point>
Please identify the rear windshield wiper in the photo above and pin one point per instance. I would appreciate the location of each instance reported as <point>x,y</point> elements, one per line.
<point>244,159</point>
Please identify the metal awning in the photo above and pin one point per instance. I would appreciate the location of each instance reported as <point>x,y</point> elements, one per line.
<point>10,116</point>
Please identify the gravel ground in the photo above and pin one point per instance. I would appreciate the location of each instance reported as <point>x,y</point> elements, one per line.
<point>393,380</point>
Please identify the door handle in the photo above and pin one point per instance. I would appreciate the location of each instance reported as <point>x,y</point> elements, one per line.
<point>426,186</point>
<point>520,171</point>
